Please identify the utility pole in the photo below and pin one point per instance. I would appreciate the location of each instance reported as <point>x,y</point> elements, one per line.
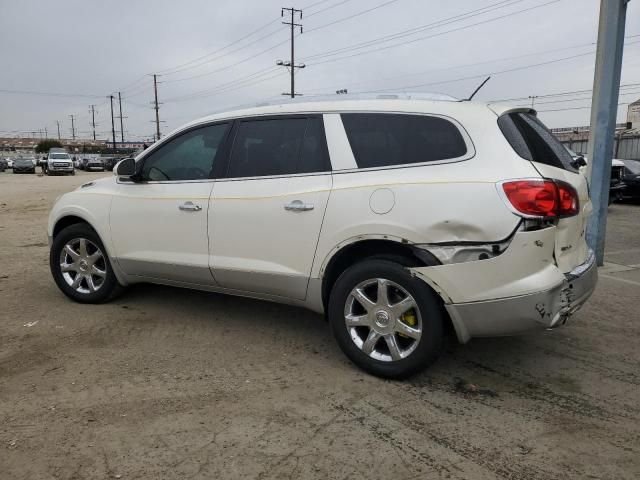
<point>93,120</point>
<point>121,117</point>
<point>46,135</point>
<point>533,99</point>
<point>156,107</point>
<point>73,128</point>
<point>291,64</point>
<point>58,123</point>
<point>604,110</point>
<point>113,124</point>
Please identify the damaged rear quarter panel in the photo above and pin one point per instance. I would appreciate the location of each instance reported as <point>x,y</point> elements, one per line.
<point>527,266</point>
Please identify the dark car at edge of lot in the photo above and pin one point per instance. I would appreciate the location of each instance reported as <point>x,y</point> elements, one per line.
<point>24,165</point>
<point>631,179</point>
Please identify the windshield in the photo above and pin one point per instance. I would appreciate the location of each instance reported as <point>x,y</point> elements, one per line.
<point>633,166</point>
<point>59,156</point>
<point>23,161</point>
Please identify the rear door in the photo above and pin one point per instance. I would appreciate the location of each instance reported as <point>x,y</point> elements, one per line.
<point>265,216</point>
<point>534,142</point>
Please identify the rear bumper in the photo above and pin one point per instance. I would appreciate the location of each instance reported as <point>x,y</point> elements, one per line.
<point>549,308</point>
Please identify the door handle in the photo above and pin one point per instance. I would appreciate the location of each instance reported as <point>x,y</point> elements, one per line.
<point>190,207</point>
<point>298,206</point>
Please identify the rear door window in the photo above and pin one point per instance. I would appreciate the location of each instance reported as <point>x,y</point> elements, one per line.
<point>531,140</point>
<point>387,139</point>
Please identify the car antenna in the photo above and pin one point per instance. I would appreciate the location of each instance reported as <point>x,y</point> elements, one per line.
<point>478,89</point>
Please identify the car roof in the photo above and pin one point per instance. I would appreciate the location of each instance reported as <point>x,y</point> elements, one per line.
<point>434,103</point>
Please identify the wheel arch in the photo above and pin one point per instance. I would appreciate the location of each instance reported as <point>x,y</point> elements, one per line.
<point>68,220</point>
<point>359,249</point>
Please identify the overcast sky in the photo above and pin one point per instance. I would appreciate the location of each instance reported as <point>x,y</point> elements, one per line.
<point>88,49</point>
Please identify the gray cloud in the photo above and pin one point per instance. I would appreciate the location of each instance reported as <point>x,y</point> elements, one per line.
<point>85,47</point>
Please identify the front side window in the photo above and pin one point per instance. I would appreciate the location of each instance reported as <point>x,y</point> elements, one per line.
<point>283,146</point>
<point>387,139</point>
<point>190,156</point>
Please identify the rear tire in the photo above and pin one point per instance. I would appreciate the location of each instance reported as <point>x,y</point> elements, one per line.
<point>374,330</point>
<point>80,265</point>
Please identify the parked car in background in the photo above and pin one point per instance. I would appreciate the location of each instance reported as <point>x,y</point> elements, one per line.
<point>399,218</point>
<point>9,162</point>
<point>3,165</point>
<point>110,162</point>
<point>59,162</point>
<point>94,165</point>
<point>23,165</point>
<point>617,185</point>
<point>631,179</point>
<point>77,162</point>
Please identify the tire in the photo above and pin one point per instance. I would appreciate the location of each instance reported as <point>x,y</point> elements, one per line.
<point>411,354</point>
<point>102,286</point>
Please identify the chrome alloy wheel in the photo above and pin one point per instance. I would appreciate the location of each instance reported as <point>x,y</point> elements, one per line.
<point>383,319</point>
<point>83,265</point>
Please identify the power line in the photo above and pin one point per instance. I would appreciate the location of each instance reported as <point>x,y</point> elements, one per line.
<point>235,86</point>
<point>259,73</point>
<point>257,40</point>
<point>49,94</point>
<point>273,47</point>
<point>350,16</point>
<point>341,2</point>
<point>456,67</point>
<point>485,74</point>
<point>412,31</point>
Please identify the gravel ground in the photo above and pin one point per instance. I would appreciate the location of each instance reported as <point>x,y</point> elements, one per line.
<point>169,383</point>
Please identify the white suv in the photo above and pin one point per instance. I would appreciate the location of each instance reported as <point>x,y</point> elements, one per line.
<point>400,218</point>
<point>59,162</point>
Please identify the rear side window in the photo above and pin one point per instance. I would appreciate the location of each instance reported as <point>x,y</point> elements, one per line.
<point>385,139</point>
<point>278,146</point>
<point>528,136</point>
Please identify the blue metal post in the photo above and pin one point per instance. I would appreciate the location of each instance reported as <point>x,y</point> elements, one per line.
<point>604,109</point>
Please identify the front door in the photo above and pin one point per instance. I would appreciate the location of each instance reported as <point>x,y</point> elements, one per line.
<point>159,222</point>
<point>265,216</point>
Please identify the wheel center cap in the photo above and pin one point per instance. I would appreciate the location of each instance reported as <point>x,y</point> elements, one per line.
<point>84,265</point>
<point>382,319</point>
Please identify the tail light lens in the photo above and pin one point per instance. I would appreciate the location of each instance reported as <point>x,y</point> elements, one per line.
<point>541,198</point>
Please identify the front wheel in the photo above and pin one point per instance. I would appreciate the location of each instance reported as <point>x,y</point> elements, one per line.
<point>80,265</point>
<point>386,321</point>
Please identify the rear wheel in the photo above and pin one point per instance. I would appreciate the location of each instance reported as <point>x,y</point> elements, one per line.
<point>386,321</point>
<point>80,265</point>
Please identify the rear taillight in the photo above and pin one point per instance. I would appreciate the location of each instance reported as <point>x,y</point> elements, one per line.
<point>541,198</point>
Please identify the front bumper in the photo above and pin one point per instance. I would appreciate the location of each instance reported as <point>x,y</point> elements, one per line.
<point>549,308</point>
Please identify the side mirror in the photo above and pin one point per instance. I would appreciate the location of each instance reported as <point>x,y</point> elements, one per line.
<point>578,162</point>
<point>125,168</point>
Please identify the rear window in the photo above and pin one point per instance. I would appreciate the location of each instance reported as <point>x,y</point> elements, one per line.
<point>528,136</point>
<point>385,139</point>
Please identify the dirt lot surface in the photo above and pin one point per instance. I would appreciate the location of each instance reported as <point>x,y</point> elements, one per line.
<point>169,383</point>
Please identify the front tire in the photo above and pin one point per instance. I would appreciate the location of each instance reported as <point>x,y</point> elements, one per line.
<point>80,265</point>
<point>386,321</point>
